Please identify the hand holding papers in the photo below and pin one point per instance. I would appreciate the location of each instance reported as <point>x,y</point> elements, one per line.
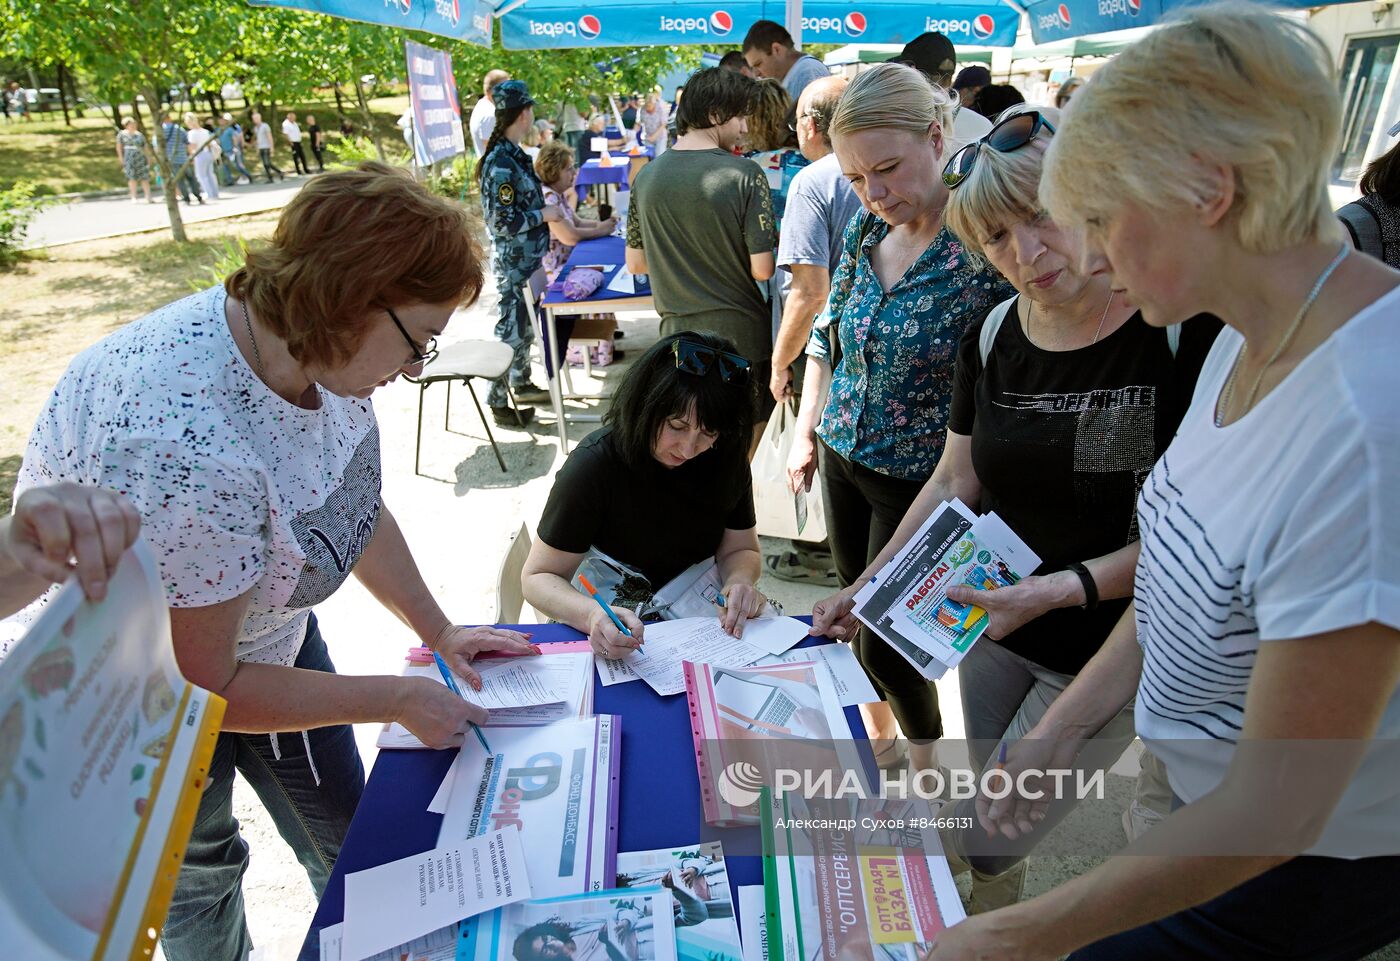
<point>535,690</point>
<point>396,902</point>
<point>907,602</point>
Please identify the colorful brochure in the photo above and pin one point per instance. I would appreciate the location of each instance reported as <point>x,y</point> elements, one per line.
<point>558,784</point>
<point>698,880</point>
<point>849,893</point>
<point>104,752</point>
<point>636,924</point>
<point>907,602</point>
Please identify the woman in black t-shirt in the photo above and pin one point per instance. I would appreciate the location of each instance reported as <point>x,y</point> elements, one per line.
<point>1063,399</point>
<point>663,485</point>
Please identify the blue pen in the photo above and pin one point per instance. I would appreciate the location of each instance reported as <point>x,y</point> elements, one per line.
<point>719,599</point>
<point>612,615</point>
<point>452,686</point>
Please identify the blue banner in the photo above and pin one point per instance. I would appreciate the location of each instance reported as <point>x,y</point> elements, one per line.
<point>468,20</point>
<point>635,24</point>
<point>437,115</point>
<point>1053,20</point>
<point>554,24</point>
<point>989,24</point>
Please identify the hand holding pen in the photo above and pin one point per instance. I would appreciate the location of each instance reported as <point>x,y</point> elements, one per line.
<point>612,631</point>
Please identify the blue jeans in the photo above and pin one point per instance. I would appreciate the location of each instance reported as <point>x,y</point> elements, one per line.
<point>1318,909</point>
<point>206,921</point>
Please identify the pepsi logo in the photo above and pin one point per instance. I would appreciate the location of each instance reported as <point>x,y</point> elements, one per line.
<point>589,27</point>
<point>403,6</point>
<point>1063,14</point>
<point>721,23</point>
<point>854,24</point>
<point>983,26</point>
<point>1135,7</point>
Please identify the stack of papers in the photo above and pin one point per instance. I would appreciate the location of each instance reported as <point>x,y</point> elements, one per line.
<point>636,924</point>
<point>750,721</point>
<point>699,882</point>
<point>701,640</point>
<point>849,891</point>
<point>907,603</point>
<point>521,690</point>
<point>558,785</point>
<point>411,907</point>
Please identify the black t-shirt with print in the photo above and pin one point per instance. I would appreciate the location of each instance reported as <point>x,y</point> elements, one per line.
<point>1062,442</point>
<point>656,519</point>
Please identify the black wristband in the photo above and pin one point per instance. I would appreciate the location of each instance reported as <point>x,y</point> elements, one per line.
<point>1091,590</point>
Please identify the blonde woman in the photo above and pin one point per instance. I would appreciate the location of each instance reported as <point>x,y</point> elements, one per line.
<point>652,120</point>
<point>880,361</point>
<point>1262,646</point>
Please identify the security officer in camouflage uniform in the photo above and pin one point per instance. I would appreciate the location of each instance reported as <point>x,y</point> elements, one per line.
<point>517,217</point>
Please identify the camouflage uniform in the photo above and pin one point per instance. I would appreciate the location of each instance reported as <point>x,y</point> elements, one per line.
<point>514,203</point>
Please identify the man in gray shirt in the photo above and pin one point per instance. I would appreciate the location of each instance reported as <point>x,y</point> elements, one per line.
<point>820,204</point>
<point>769,51</point>
<point>700,223</point>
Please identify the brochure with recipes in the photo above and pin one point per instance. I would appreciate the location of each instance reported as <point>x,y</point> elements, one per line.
<point>907,601</point>
<point>841,886</point>
<point>104,751</point>
<point>518,691</point>
<point>698,880</point>
<point>558,784</point>
<point>751,720</point>
<point>635,924</point>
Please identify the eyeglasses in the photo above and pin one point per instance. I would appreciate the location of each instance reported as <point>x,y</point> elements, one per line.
<point>1007,136</point>
<point>797,118</point>
<point>423,355</point>
<point>696,359</point>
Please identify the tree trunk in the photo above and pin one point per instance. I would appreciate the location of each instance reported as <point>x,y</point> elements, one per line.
<point>117,112</point>
<point>63,94</point>
<point>73,91</point>
<point>369,121</point>
<point>172,196</point>
<point>339,104</point>
<point>213,105</point>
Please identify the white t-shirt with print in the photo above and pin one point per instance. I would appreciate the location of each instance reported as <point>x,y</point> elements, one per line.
<point>238,489</point>
<point>1284,524</point>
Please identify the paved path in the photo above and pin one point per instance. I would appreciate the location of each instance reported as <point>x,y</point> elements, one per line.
<point>79,220</point>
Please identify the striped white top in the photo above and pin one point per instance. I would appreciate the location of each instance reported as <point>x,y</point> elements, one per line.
<point>1283,524</point>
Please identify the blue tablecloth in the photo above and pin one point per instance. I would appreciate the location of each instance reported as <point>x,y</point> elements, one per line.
<point>593,172</point>
<point>603,250</point>
<point>659,800</point>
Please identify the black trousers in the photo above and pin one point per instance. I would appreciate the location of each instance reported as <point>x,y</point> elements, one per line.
<point>863,508</point>
<point>299,158</point>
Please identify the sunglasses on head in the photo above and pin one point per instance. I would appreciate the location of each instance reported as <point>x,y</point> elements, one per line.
<point>1008,135</point>
<point>694,358</point>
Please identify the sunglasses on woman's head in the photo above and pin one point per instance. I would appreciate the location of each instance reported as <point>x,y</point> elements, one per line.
<point>1007,136</point>
<point>694,358</point>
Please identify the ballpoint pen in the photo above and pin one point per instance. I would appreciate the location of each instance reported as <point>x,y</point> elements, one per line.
<point>612,615</point>
<point>452,686</point>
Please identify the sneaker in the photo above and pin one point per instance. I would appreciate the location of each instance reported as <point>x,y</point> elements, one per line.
<point>510,417</point>
<point>786,566</point>
<point>528,393</point>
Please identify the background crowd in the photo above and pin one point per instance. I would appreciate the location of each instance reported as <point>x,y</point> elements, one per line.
<point>1103,336</point>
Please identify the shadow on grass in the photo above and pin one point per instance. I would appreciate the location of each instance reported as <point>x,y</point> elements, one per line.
<point>9,473</point>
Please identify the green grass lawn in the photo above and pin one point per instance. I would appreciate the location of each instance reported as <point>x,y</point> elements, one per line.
<point>61,159</point>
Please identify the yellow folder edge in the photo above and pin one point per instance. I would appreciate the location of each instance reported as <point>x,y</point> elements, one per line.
<point>177,835</point>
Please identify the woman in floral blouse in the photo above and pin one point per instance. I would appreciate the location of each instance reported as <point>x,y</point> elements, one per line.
<point>880,361</point>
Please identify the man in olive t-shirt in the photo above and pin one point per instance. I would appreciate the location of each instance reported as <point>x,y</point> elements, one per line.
<point>700,223</point>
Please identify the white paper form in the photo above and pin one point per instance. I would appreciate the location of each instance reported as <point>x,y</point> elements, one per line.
<point>847,676</point>
<point>614,670</point>
<point>753,922</point>
<point>438,805</point>
<point>774,635</point>
<point>623,282</point>
<point>393,903</point>
<point>697,639</point>
<point>439,945</point>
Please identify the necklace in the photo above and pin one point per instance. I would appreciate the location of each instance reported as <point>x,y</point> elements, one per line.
<point>1228,391</point>
<point>1097,330</point>
<point>248,323</point>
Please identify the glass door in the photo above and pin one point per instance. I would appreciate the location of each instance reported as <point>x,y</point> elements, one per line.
<point>1365,73</point>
